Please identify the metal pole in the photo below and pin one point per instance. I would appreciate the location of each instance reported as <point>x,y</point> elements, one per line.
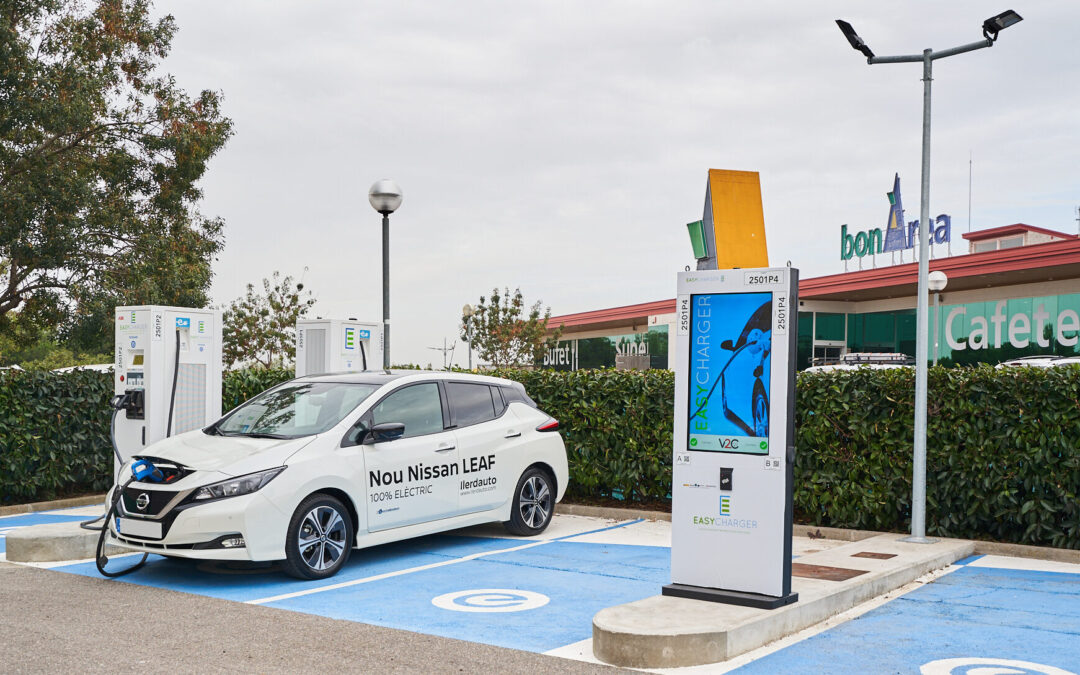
<point>386,290</point>
<point>918,481</point>
<point>468,334</point>
<point>937,323</point>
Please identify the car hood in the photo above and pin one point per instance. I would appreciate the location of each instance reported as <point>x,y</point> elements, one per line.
<point>231,455</point>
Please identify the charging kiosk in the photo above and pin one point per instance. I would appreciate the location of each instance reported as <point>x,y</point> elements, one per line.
<point>734,436</point>
<point>337,346</point>
<point>167,373</point>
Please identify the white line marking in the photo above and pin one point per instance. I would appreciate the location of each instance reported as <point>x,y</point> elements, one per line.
<point>421,568</point>
<point>388,575</point>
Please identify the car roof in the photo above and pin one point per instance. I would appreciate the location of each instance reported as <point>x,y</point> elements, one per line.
<point>381,377</point>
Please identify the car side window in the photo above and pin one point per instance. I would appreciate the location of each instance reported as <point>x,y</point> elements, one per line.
<point>417,406</point>
<point>470,403</point>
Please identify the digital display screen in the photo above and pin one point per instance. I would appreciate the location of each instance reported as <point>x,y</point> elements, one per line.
<point>730,346</point>
<point>137,360</point>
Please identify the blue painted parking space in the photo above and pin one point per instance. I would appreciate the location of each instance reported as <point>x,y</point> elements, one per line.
<point>578,579</point>
<point>530,594</point>
<point>975,617</point>
<point>9,523</point>
<point>246,582</point>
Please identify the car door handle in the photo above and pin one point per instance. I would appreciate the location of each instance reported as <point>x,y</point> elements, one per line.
<point>512,434</point>
<point>444,447</point>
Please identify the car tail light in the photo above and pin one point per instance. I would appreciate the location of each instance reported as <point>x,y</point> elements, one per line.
<point>550,424</point>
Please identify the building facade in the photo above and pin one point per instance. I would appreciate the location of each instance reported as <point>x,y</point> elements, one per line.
<point>1015,293</point>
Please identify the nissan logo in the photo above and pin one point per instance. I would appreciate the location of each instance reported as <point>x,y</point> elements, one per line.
<point>142,501</point>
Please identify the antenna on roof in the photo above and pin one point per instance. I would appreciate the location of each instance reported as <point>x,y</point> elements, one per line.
<point>969,193</point>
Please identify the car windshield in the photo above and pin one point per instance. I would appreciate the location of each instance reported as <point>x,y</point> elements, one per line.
<point>294,410</point>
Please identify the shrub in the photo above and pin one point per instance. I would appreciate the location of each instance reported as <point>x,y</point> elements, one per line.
<point>238,386</point>
<point>616,425</point>
<point>1003,452</point>
<point>54,434</point>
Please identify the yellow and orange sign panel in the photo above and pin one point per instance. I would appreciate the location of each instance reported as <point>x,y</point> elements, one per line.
<point>735,219</point>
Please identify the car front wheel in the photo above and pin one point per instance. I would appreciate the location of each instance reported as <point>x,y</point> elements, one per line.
<point>319,539</point>
<point>534,504</point>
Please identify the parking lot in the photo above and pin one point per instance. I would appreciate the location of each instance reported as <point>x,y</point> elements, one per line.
<point>540,594</point>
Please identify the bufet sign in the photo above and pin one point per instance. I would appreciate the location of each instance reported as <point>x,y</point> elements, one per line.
<point>734,436</point>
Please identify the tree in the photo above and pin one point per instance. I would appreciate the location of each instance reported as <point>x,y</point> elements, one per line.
<point>502,337</point>
<point>99,160</point>
<point>262,328</point>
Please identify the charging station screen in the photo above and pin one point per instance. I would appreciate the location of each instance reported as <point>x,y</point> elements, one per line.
<point>730,345</point>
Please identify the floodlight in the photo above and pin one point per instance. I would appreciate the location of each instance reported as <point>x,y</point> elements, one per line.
<point>853,38</point>
<point>996,23</point>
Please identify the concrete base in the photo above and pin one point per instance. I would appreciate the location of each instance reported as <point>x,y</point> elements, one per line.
<point>669,632</point>
<point>54,542</point>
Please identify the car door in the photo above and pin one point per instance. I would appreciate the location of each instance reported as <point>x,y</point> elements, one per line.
<point>413,478</point>
<point>483,435</point>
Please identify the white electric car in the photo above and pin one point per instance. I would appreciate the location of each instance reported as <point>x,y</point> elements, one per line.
<point>312,468</point>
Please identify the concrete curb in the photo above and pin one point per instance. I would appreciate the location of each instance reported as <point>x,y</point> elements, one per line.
<point>89,500</point>
<point>54,542</point>
<point>1066,555</point>
<point>667,632</point>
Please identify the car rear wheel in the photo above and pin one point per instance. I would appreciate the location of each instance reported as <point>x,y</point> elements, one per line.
<point>534,504</point>
<point>319,539</point>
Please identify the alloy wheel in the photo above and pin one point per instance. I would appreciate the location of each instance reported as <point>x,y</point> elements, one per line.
<point>322,538</point>
<point>534,502</point>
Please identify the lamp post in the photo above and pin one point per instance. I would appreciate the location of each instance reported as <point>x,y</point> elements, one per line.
<point>990,29</point>
<point>385,197</point>
<point>937,282</point>
<point>467,313</point>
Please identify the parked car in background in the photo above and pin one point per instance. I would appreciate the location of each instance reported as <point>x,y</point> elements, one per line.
<point>856,360</point>
<point>1044,361</point>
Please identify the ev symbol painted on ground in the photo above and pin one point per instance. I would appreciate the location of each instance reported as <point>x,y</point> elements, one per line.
<point>969,665</point>
<point>490,600</point>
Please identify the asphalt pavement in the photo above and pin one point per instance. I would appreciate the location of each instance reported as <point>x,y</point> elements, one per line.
<point>59,623</point>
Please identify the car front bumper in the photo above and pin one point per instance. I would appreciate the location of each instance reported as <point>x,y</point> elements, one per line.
<point>195,530</point>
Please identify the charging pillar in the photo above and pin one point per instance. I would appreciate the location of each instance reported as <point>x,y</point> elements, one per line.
<point>168,369</point>
<point>337,346</point>
<point>734,436</point>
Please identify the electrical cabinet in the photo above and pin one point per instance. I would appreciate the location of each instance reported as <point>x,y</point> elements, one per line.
<point>337,346</point>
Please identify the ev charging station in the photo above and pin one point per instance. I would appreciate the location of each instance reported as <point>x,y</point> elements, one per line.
<point>337,346</point>
<point>734,436</point>
<point>167,374</point>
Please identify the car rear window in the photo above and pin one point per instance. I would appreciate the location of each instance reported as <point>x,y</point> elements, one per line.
<point>470,403</point>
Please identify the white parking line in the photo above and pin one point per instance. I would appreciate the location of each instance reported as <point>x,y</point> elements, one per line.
<point>421,568</point>
<point>387,575</point>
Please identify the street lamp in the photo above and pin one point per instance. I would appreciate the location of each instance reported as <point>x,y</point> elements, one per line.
<point>467,314</point>
<point>937,281</point>
<point>990,27</point>
<point>385,197</point>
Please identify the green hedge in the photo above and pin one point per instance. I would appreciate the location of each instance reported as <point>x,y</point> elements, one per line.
<point>54,428</point>
<point>616,425</point>
<point>238,386</point>
<point>1003,452</point>
<point>1003,445</point>
<point>54,434</point>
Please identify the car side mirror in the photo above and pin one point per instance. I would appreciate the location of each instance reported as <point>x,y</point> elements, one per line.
<point>728,345</point>
<point>387,431</point>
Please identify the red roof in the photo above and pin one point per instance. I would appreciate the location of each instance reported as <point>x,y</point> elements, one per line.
<point>1018,228</point>
<point>640,311</point>
<point>1022,264</point>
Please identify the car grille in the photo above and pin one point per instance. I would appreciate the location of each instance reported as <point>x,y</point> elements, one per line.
<point>159,499</point>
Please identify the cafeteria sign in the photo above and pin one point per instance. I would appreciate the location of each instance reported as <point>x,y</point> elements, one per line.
<point>896,236</point>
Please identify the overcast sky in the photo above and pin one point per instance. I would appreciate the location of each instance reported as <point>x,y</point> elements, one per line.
<point>563,146</point>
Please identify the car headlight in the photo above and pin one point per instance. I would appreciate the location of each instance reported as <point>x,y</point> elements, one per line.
<point>234,487</point>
